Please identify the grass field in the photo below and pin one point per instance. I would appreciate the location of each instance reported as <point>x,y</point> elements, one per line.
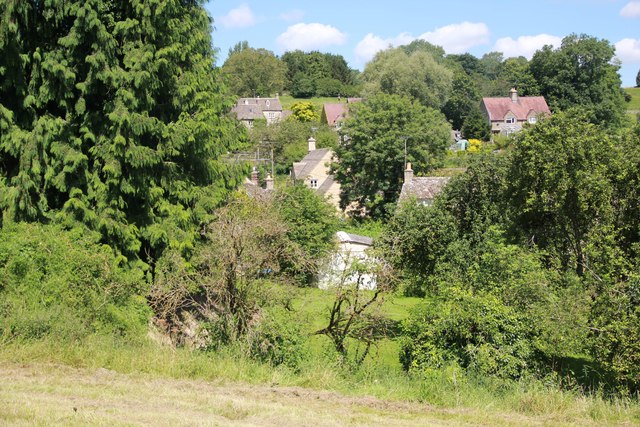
<point>106,380</point>
<point>634,104</point>
<point>59,395</point>
<point>287,101</point>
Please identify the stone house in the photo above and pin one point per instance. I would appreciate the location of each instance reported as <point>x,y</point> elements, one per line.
<point>313,170</point>
<point>423,188</point>
<point>508,114</point>
<point>247,110</point>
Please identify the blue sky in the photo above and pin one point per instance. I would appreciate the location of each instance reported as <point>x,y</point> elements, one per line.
<point>357,29</point>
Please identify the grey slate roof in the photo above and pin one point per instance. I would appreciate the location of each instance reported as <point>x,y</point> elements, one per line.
<point>423,188</point>
<point>253,108</point>
<point>345,237</point>
<point>304,167</point>
<point>322,190</point>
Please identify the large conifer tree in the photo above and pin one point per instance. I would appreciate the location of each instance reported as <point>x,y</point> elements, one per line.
<point>112,114</point>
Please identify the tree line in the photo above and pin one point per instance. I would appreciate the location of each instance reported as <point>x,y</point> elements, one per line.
<point>581,71</point>
<point>259,72</point>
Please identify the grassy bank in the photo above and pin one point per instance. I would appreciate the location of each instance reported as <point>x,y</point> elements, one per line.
<point>287,101</point>
<point>634,104</point>
<point>111,381</point>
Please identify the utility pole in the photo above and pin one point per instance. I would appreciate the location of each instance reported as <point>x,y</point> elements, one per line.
<point>404,138</point>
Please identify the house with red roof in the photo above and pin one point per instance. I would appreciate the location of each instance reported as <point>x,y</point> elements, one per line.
<point>334,113</point>
<point>508,114</point>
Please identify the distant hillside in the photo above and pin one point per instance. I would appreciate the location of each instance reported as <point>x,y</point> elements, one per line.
<point>634,105</point>
<point>287,101</point>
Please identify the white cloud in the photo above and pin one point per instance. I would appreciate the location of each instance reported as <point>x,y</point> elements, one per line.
<point>458,38</point>
<point>240,17</point>
<point>631,10</point>
<point>310,36</point>
<point>628,50</point>
<point>371,44</point>
<point>525,45</point>
<point>455,38</point>
<point>292,15</point>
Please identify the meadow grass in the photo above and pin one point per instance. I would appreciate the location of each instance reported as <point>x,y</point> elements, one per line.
<point>539,402</point>
<point>634,104</point>
<point>287,101</point>
<point>528,401</point>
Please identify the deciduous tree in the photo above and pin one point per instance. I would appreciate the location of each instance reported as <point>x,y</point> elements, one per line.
<point>582,72</point>
<point>370,161</point>
<point>255,72</point>
<point>416,75</point>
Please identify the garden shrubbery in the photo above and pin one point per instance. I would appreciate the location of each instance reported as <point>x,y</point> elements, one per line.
<point>64,284</point>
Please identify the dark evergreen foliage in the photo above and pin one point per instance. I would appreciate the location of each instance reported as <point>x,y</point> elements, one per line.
<point>112,115</point>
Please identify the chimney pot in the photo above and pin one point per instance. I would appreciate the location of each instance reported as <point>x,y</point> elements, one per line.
<point>254,176</point>
<point>408,173</point>
<point>513,93</point>
<point>269,182</point>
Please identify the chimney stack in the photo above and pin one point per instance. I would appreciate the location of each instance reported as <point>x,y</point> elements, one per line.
<point>312,144</point>
<point>513,93</point>
<point>408,173</point>
<point>254,176</point>
<point>269,182</point>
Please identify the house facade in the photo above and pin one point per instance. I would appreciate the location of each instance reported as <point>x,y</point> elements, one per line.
<point>313,171</point>
<point>338,270</point>
<point>508,114</point>
<point>247,110</point>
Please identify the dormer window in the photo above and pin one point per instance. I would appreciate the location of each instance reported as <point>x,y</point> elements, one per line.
<point>533,119</point>
<point>510,120</point>
<point>268,103</point>
<point>313,182</point>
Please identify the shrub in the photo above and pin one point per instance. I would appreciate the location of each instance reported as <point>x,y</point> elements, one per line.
<point>62,283</point>
<point>616,333</point>
<point>278,339</point>
<point>475,331</point>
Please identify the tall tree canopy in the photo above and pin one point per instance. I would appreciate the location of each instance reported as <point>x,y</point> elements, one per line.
<point>581,72</point>
<point>370,161</point>
<point>318,74</point>
<point>254,72</point>
<point>416,75</point>
<point>112,114</point>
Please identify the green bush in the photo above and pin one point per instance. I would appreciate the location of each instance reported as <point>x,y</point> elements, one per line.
<point>476,331</point>
<point>278,340</point>
<point>616,333</point>
<point>63,284</point>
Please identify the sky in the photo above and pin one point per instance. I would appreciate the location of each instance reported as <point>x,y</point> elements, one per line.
<point>357,29</point>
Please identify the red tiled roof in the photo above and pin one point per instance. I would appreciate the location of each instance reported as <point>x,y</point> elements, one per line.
<point>334,112</point>
<point>497,108</point>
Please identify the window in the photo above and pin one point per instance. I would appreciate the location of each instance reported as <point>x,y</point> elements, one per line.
<point>314,183</point>
<point>533,119</point>
<point>510,120</point>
